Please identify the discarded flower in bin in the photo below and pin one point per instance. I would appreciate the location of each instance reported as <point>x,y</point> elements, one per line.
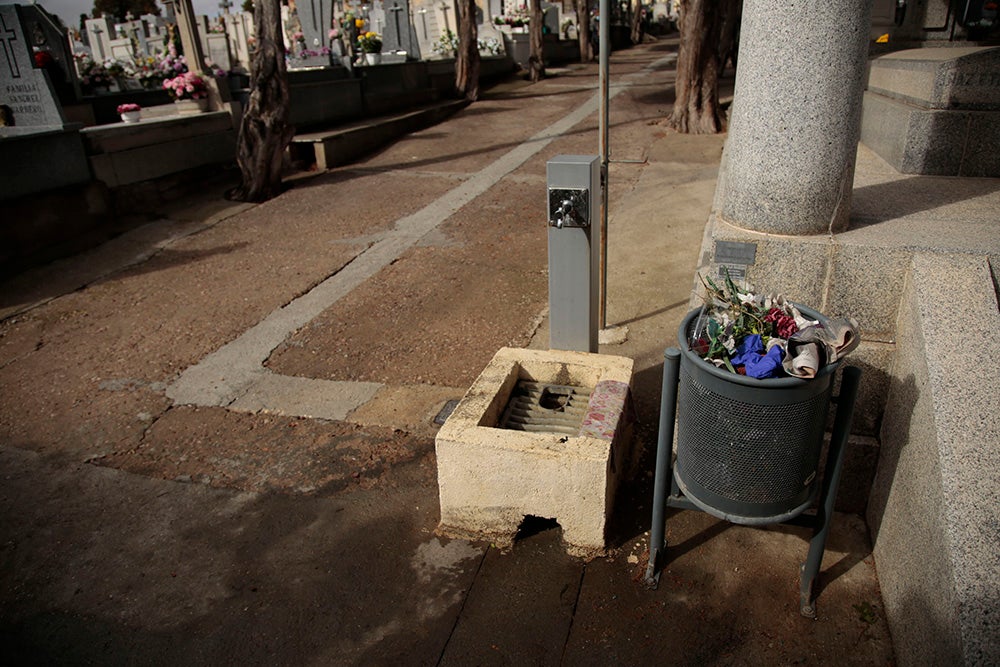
<point>766,336</point>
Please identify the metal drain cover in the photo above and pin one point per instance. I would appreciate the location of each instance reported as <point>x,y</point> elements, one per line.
<point>545,408</point>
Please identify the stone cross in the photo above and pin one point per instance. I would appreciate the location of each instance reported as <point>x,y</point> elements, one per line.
<point>225,5</point>
<point>445,8</point>
<point>7,39</point>
<point>423,20</point>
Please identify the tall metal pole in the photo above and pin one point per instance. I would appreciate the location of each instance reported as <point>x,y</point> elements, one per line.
<point>604,52</point>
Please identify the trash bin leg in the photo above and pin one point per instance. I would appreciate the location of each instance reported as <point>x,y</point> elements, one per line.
<point>831,481</point>
<point>664,454</point>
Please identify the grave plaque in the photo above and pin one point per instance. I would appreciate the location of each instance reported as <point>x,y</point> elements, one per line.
<point>399,32</point>
<point>551,16</point>
<point>238,32</point>
<point>218,52</point>
<point>99,35</point>
<point>121,49</point>
<point>25,89</point>
<point>376,17</point>
<point>316,17</point>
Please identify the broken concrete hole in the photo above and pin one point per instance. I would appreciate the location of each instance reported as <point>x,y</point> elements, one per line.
<point>534,525</point>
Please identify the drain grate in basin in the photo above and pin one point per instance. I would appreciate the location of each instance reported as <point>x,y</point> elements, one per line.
<point>545,408</point>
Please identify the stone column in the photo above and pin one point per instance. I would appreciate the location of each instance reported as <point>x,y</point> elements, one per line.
<point>796,116</point>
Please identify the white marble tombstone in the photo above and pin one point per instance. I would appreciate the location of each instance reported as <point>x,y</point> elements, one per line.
<point>99,35</point>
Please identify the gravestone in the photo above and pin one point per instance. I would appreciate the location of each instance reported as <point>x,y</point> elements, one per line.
<point>156,29</point>
<point>201,26</point>
<point>399,33</point>
<point>121,49</point>
<point>316,17</point>
<point>24,89</point>
<point>551,17</point>
<point>432,21</point>
<point>99,36</point>
<point>487,28</point>
<point>429,26</point>
<point>376,18</point>
<point>239,29</point>
<point>44,35</point>
<point>136,31</point>
<point>218,51</point>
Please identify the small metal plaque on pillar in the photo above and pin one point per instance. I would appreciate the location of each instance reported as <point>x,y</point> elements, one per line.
<point>573,207</point>
<point>734,257</point>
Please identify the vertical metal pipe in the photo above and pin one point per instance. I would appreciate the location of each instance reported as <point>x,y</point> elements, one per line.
<point>831,481</point>
<point>664,452</point>
<point>604,53</point>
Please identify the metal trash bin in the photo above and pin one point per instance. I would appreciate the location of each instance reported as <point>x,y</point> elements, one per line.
<point>747,449</point>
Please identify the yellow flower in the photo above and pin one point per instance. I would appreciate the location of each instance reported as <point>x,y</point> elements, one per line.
<point>359,23</point>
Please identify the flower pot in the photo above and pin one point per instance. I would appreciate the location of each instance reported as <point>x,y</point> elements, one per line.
<point>748,449</point>
<point>185,107</point>
<point>131,116</point>
<point>373,58</point>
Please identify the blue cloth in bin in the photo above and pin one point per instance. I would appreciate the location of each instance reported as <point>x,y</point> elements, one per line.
<point>750,355</point>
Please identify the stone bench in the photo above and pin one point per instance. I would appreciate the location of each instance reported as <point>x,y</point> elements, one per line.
<point>341,145</point>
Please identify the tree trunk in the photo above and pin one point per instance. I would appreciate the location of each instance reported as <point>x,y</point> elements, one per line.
<point>637,26</point>
<point>467,62</point>
<point>536,58</point>
<point>729,33</point>
<point>583,30</point>
<point>696,107</point>
<point>264,131</point>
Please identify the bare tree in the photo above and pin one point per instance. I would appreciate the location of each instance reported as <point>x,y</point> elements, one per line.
<point>536,56</point>
<point>467,62</point>
<point>583,29</point>
<point>696,107</point>
<point>265,131</point>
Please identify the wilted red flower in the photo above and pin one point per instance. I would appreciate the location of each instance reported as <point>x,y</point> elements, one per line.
<point>42,58</point>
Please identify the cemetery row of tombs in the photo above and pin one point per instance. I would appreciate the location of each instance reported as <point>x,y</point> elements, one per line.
<point>112,57</point>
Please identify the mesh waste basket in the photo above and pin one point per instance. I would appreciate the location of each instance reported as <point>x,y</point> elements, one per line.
<point>748,449</point>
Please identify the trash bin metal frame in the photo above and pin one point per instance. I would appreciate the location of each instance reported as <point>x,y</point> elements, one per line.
<point>822,490</point>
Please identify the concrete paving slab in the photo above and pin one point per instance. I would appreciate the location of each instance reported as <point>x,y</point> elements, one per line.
<point>103,566</point>
<point>521,607</point>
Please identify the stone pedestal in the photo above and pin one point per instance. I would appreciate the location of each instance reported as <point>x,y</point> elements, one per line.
<point>796,116</point>
<point>935,111</point>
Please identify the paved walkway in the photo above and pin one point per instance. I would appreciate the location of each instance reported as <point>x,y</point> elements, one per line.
<point>216,431</point>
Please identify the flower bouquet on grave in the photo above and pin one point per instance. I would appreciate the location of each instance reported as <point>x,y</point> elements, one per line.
<point>130,113</point>
<point>489,47</point>
<point>172,64</point>
<point>93,75</point>
<point>766,336</point>
<point>370,42</point>
<point>187,86</point>
<point>447,44</point>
